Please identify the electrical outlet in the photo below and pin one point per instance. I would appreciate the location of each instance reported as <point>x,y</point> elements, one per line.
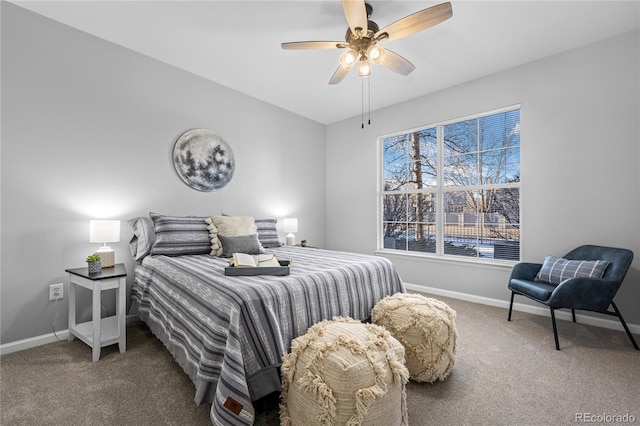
<point>56,291</point>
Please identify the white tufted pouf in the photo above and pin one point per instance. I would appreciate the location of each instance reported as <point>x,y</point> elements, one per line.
<point>344,372</point>
<point>426,328</point>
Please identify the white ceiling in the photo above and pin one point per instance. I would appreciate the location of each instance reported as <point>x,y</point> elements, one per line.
<point>237,43</point>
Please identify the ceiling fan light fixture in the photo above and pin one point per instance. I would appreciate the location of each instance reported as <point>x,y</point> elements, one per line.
<point>364,67</point>
<point>363,35</point>
<point>376,53</point>
<point>348,58</point>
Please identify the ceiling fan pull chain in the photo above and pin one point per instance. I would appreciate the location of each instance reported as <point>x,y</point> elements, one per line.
<point>368,78</point>
<point>369,96</point>
<point>362,104</point>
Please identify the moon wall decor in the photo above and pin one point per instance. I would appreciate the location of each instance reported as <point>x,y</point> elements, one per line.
<point>203,160</point>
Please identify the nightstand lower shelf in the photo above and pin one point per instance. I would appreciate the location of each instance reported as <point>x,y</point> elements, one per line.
<point>109,333</point>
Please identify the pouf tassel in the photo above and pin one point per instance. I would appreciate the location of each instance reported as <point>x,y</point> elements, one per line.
<point>364,398</point>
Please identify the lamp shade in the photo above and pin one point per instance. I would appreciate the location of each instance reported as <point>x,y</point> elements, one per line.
<point>104,231</point>
<point>290,224</point>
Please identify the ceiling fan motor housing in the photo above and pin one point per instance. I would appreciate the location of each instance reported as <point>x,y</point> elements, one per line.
<point>372,29</point>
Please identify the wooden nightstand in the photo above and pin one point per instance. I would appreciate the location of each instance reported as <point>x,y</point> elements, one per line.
<point>99,332</point>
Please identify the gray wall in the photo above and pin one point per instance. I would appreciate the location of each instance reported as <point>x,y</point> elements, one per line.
<point>88,128</point>
<point>87,132</point>
<point>580,164</point>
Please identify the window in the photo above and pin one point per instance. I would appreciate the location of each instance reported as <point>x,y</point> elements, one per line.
<point>453,188</point>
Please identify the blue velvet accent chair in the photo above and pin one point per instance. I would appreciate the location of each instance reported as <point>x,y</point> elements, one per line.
<point>589,294</point>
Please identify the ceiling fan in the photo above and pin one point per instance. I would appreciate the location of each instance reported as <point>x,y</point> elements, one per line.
<point>364,36</point>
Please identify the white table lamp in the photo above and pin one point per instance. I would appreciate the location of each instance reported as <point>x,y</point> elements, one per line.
<point>290,225</point>
<point>105,231</point>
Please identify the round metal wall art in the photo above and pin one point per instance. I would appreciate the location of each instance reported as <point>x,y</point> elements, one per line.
<point>203,160</point>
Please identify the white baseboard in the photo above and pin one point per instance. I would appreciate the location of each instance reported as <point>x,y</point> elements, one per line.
<point>523,307</point>
<point>33,342</point>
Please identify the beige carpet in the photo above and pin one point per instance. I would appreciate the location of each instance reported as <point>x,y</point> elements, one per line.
<point>506,373</point>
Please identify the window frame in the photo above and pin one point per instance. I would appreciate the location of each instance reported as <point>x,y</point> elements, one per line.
<point>440,190</point>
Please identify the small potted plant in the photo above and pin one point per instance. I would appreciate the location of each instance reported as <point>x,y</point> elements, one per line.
<point>94,263</point>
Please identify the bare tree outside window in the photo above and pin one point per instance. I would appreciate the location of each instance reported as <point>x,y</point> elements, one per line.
<point>455,186</point>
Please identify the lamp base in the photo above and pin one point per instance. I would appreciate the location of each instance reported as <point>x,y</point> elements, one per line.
<point>107,256</point>
<point>291,239</point>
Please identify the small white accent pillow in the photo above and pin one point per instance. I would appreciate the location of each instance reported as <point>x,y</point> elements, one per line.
<point>228,226</point>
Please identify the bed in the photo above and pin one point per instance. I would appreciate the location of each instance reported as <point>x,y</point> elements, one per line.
<point>229,333</point>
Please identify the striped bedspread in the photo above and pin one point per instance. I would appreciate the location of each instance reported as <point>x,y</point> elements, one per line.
<point>229,333</point>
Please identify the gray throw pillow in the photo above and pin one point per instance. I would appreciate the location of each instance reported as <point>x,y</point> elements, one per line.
<point>240,244</point>
<point>143,237</point>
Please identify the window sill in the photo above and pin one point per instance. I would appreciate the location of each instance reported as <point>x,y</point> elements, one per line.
<point>450,260</point>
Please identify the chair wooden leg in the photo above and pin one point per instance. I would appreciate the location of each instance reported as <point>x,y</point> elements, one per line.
<point>624,324</point>
<point>511,306</point>
<point>555,329</point>
<point>573,314</point>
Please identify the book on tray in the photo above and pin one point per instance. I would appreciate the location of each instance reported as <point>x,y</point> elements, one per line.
<point>243,260</point>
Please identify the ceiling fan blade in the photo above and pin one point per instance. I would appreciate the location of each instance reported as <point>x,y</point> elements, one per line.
<point>294,45</point>
<point>416,22</point>
<point>339,75</point>
<point>356,13</point>
<point>397,63</point>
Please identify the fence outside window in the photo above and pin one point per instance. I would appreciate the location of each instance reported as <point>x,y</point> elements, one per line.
<point>453,189</point>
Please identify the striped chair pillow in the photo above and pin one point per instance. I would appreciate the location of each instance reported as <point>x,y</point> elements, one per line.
<point>556,269</point>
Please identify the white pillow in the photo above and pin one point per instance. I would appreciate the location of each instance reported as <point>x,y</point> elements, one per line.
<point>228,226</point>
